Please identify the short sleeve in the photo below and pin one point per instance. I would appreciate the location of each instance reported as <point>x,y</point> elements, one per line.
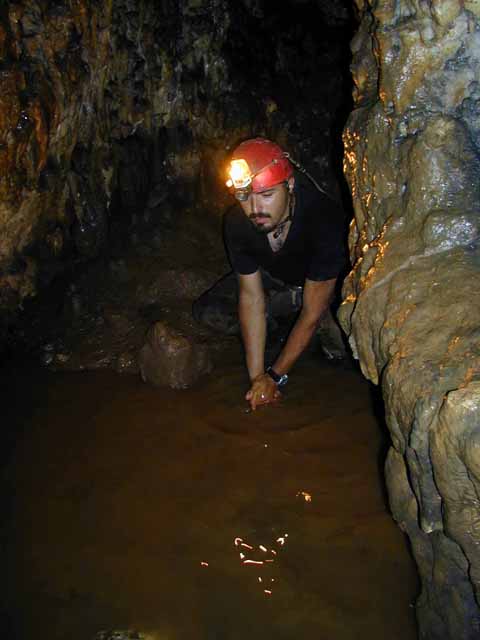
<point>241,260</point>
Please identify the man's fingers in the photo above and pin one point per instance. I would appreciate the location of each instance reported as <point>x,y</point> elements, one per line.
<point>255,399</point>
<point>260,394</point>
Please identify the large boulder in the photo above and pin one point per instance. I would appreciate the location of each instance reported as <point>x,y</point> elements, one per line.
<point>169,358</point>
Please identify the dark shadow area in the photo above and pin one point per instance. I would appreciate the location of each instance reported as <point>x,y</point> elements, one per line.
<point>23,390</point>
<point>378,410</point>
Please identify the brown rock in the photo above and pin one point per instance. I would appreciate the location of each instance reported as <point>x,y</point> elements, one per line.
<point>171,359</point>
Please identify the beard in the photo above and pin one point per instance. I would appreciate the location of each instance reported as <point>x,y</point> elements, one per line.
<point>262,229</point>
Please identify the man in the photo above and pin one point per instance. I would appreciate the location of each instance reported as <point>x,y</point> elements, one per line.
<point>285,242</point>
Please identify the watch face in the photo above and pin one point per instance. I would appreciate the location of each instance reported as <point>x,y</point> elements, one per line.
<point>283,380</point>
<point>279,380</point>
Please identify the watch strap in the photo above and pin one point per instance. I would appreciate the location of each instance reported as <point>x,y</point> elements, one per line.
<point>279,380</point>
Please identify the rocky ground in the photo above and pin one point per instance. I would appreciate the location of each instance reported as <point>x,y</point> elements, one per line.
<point>102,317</point>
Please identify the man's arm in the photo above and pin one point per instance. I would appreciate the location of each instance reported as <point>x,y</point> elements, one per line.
<point>316,300</point>
<point>251,312</point>
<point>317,297</point>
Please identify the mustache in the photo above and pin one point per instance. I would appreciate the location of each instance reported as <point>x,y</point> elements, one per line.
<point>254,216</point>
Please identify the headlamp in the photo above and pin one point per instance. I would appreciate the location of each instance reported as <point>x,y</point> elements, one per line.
<point>241,177</point>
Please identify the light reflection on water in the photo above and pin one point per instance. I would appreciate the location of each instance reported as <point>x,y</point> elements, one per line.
<point>178,514</point>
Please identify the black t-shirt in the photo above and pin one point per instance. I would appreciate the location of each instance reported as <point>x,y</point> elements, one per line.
<point>314,247</point>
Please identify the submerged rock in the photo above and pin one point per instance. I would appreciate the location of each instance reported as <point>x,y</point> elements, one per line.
<point>168,358</point>
<point>412,301</point>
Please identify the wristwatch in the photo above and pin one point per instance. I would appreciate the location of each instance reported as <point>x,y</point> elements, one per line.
<point>279,380</point>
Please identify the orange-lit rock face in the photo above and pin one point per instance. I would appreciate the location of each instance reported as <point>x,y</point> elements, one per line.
<point>40,91</point>
<point>74,88</point>
<point>412,301</point>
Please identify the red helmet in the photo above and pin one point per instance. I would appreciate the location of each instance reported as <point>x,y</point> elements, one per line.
<point>258,164</point>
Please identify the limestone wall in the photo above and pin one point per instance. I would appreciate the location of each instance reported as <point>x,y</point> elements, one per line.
<point>412,301</point>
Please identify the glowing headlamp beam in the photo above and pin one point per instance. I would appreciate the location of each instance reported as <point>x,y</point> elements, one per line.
<point>240,175</point>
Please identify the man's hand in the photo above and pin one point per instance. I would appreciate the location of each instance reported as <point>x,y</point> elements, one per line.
<point>263,391</point>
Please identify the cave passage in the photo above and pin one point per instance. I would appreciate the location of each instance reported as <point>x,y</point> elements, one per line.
<point>126,502</point>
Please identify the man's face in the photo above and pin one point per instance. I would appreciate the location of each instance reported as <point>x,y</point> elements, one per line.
<point>266,209</point>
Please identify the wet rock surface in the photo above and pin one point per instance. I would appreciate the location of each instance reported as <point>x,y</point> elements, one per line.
<point>412,301</point>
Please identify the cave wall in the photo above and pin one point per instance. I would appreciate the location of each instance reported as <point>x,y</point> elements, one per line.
<point>99,102</point>
<point>108,106</point>
<point>411,303</point>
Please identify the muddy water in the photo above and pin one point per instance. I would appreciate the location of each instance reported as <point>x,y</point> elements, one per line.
<point>184,517</point>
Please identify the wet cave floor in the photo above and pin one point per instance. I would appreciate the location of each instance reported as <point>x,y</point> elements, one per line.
<point>180,515</point>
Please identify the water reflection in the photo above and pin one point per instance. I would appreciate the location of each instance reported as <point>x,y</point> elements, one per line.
<point>259,556</point>
<point>177,514</point>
